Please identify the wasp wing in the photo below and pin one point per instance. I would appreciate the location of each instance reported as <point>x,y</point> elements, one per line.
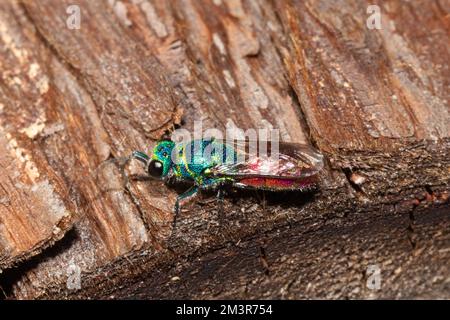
<point>267,159</point>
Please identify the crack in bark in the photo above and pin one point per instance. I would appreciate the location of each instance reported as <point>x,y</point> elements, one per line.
<point>263,260</point>
<point>410,230</point>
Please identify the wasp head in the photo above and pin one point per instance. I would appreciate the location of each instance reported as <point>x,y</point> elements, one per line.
<point>159,164</point>
<point>161,161</point>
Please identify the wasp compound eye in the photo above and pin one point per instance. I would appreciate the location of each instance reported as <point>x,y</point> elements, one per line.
<point>155,169</point>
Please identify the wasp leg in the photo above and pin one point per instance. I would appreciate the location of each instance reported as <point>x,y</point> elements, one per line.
<point>264,200</point>
<point>219,184</point>
<point>121,163</point>
<point>182,199</point>
<point>220,196</point>
<point>140,177</point>
<point>220,193</point>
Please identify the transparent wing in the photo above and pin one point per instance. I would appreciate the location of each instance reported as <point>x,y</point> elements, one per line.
<point>268,159</point>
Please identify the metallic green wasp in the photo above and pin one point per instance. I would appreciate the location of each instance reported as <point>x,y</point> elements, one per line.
<point>211,163</point>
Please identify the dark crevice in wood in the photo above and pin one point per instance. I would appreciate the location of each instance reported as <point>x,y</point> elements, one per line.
<point>264,262</point>
<point>429,191</point>
<point>9,277</point>
<point>411,232</point>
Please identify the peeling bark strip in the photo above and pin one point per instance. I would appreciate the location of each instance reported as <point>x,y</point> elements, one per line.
<point>32,214</point>
<point>34,211</point>
<point>374,101</point>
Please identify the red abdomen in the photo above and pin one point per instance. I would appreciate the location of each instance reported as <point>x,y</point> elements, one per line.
<point>277,183</point>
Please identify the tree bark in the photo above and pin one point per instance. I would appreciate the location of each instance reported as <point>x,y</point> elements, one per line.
<point>375,102</point>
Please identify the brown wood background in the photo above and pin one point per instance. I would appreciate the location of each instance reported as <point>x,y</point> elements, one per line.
<point>375,102</point>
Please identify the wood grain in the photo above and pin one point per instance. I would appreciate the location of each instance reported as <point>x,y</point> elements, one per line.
<point>34,209</point>
<point>375,102</point>
<point>367,89</point>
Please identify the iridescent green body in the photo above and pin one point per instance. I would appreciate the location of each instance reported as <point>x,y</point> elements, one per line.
<point>194,160</point>
<point>189,162</point>
<point>210,163</point>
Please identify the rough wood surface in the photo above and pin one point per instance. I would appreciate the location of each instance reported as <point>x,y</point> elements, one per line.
<point>32,215</point>
<point>375,102</point>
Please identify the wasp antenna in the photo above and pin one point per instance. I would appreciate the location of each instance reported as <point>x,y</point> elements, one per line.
<point>121,161</point>
<point>140,156</point>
